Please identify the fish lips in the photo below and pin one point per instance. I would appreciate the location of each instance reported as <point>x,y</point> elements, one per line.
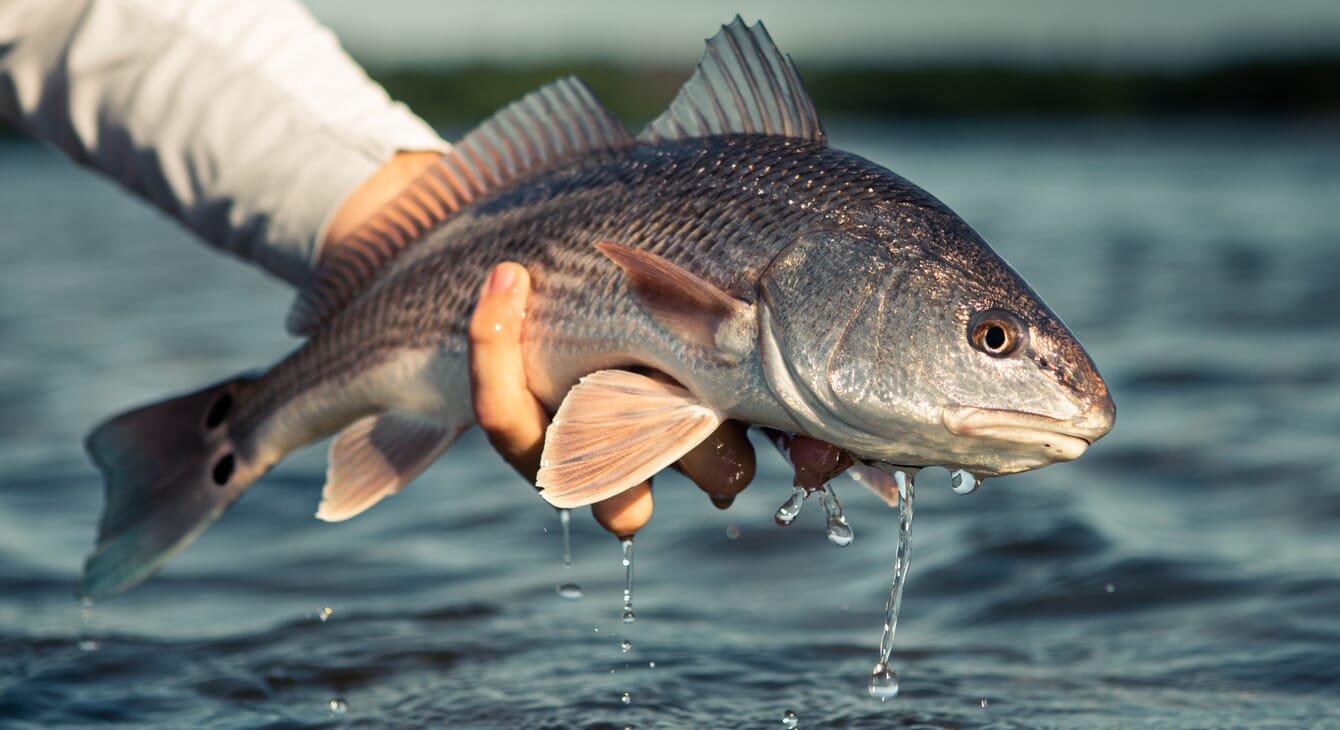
<point>1043,438</point>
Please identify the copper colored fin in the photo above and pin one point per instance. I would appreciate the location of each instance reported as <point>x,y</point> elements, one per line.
<point>743,85</point>
<point>375,457</point>
<point>557,123</point>
<point>614,430</point>
<point>694,309</point>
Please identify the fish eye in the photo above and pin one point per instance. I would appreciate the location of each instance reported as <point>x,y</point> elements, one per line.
<point>996,332</point>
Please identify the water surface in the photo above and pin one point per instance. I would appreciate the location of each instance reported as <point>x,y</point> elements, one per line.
<point>1182,574</point>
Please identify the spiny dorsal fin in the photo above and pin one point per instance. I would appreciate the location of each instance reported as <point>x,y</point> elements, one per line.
<point>743,85</point>
<point>557,123</point>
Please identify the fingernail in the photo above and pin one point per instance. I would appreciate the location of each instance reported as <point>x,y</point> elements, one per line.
<point>502,279</point>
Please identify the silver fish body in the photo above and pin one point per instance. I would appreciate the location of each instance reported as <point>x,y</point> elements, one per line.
<point>776,280</point>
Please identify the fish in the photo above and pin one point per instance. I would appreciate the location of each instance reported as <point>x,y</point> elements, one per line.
<point>769,277</point>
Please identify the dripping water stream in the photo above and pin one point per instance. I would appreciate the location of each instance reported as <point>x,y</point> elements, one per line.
<point>567,589</point>
<point>883,679</point>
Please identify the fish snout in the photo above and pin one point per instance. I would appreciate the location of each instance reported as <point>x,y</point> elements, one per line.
<point>1048,439</point>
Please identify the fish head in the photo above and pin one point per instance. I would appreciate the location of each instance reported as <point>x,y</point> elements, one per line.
<point>914,344</point>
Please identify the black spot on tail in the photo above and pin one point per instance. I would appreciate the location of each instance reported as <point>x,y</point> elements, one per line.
<point>219,411</point>
<point>223,469</point>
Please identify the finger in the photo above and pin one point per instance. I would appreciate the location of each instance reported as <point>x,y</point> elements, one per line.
<point>816,462</point>
<point>504,407</point>
<point>626,512</point>
<point>722,465</point>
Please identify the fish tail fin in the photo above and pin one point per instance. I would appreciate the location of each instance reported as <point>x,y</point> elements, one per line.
<point>170,469</point>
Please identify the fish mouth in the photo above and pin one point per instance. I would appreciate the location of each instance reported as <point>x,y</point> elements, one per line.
<point>1049,438</point>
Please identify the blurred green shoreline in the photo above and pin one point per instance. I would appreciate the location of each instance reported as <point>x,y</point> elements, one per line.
<point>1292,88</point>
<point>1300,87</point>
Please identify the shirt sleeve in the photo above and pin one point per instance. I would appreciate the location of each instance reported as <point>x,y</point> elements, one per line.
<point>243,119</point>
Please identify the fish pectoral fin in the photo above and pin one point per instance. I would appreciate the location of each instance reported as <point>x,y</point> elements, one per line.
<point>375,457</point>
<point>691,308</point>
<point>614,430</point>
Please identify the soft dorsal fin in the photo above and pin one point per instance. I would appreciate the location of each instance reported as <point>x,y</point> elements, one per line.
<point>557,123</point>
<point>743,85</point>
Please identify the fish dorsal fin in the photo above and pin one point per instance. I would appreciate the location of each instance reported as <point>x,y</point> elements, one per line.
<point>557,123</point>
<point>743,85</point>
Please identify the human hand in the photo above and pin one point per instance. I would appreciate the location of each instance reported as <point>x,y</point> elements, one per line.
<point>515,421</point>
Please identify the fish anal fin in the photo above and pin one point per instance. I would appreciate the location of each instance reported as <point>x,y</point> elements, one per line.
<point>691,308</point>
<point>743,85</point>
<point>616,429</point>
<point>554,124</point>
<point>376,456</point>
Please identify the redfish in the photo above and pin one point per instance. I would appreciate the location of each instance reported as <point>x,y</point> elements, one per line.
<point>774,279</point>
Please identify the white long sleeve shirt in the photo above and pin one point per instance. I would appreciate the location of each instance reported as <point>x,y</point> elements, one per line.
<point>243,119</point>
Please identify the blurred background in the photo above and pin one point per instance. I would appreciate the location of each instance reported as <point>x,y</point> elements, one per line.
<point>1165,175</point>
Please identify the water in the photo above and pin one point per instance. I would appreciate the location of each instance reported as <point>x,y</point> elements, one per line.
<point>626,546</point>
<point>884,683</point>
<point>570,591</point>
<point>1198,263</point>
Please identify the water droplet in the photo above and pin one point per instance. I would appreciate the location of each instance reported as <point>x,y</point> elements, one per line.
<point>324,614</point>
<point>337,706</point>
<point>88,644</point>
<point>790,719</point>
<point>625,646</point>
<point>883,683</point>
<point>569,591</point>
<point>565,520</point>
<point>983,703</point>
<point>651,665</point>
<point>627,615</point>
<point>786,514</point>
<point>732,532</point>
<point>964,482</point>
<point>839,532</point>
<point>626,698</point>
<point>1110,588</point>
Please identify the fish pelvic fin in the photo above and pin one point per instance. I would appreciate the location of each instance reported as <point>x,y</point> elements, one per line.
<point>557,123</point>
<point>691,308</point>
<point>614,430</point>
<point>170,469</point>
<point>743,85</point>
<point>375,457</point>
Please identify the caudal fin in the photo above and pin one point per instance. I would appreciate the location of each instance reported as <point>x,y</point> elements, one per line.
<point>170,469</point>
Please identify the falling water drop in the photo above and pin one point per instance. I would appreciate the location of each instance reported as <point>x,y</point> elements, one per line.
<point>964,482</point>
<point>568,590</point>
<point>883,683</point>
<point>325,613</point>
<point>565,521</point>
<point>790,719</point>
<point>839,532</point>
<point>883,680</point>
<point>786,514</point>
<point>627,545</point>
<point>625,646</point>
<point>337,707</point>
<point>87,642</point>
<point>626,698</point>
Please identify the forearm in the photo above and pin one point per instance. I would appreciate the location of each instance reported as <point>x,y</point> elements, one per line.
<point>243,119</point>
